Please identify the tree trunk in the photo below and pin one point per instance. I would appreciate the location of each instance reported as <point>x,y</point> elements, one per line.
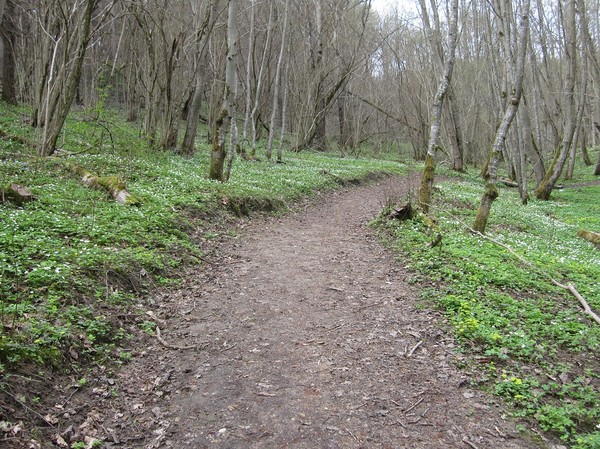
<point>437,107</point>
<point>193,113</point>
<point>277,82</point>
<point>530,147</point>
<point>223,123</point>
<point>491,192</point>
<point>584,152</point>
<point>284,107</point>
<point>547,185</point>
<point>455,133</point>
<point>9,88</point>
<point>579,120</point>
<point>249,64</point>
<point>260,81</point>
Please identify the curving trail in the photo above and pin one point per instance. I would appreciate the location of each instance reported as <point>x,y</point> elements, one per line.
<point>307,334</point>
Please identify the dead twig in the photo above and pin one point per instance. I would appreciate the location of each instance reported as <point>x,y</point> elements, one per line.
<point>415,347</point>
<point>414,405</point>
<point>229,347</point>
<point>187,312</point>
<point>468,443</point>
<point>353,436</point>
<point>169,345</point>
<point>29,409</point>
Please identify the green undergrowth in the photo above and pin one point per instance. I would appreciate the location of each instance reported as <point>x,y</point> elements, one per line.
<point>524,338</point>
<point>74,262</point>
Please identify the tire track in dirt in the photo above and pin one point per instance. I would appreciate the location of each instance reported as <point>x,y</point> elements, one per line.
<point>308,335</point>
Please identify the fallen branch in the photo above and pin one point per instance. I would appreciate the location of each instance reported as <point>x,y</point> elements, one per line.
<point>414,405</point>
<point>468,443</point>
<point>169,345</point>
<point>569,287</point>
<point>415,347</point>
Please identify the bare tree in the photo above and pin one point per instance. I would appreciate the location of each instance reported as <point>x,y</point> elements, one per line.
<point>545,188</point>
<point>193,115</point>
<point>438,102</point>
<point>491,191</point>
<point>224,120</point>
<point>277,81</point>
<point>72,22</point>
<point>8,30</point>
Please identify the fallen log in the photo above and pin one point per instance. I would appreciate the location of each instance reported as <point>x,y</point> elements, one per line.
<point>507,182</point>
<point>590,236</point>
<point>113,185</point>
<point>16,194</point>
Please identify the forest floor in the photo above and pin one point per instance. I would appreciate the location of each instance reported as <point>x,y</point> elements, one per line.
<point>300,331</point>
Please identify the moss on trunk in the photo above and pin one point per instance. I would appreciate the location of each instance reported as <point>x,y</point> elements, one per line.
<point>427,183</point>
<point>485,206</point>
<point>218,153</point>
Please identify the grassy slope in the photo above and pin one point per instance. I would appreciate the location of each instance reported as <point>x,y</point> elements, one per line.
<point>526,340</point>
<point>73,260</point>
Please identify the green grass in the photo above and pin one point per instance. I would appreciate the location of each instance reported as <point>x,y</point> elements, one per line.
<point>73,259</point>
<point>526,340</point>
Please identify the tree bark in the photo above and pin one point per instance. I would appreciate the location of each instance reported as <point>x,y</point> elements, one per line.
<point>277,81</point>
<point>579,123</point>
<point>491,192</point>
<point>547,185</point>
<point>193,115</point>
<point>436,114</point>
<point>260,81</point>
<point>530,147</point>
<point>223,123</point>
<point>8,30</point>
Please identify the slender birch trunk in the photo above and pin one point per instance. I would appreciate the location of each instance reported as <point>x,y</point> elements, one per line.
<point>260,80</point>
<point>277,82</point>
<point>224,120</point>
<point>491,191</point>
<point>437,107</point>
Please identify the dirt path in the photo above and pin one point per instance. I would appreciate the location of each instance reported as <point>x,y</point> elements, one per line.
<point>307,335</point>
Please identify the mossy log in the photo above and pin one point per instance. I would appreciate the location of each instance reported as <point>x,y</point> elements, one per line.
<point>590,236</point>
<point>16,194</point>
<point>113,185</point>
<point>507,182</point>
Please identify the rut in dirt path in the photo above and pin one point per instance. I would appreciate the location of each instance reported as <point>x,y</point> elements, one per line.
<point>311,338</point>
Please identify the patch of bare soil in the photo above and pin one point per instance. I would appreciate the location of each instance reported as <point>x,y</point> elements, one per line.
<point>304,332</point>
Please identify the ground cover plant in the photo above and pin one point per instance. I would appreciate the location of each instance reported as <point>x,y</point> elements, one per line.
<point>525,340</point>
<point>74,263</point>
